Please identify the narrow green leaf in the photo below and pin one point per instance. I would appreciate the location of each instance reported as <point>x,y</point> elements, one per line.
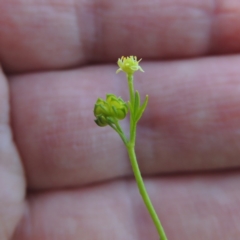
<point>141,109</point>
<point>145,103</point>
<point>136,102</point>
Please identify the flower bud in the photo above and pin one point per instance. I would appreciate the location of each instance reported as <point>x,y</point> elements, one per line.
<point>118,106</point>
<point>101,108</point>
<point>106,111</point>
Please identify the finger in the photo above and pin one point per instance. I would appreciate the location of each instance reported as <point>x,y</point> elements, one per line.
<point>189,207</point>
<point>12,183</point>
<point>191,123</point>
<point>58,136</point>
<point>37,35</point>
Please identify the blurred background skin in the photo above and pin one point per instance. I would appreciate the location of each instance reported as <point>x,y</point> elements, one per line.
<point>64,178</point>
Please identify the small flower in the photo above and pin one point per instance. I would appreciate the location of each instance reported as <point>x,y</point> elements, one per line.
<point>106,111</point>
<point>129,65</point>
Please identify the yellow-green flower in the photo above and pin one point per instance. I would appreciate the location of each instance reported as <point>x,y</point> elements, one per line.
<point>129,65</point>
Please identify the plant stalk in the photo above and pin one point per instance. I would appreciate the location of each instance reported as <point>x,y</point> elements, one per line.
<point>137,174</point>
<point>143,192</point>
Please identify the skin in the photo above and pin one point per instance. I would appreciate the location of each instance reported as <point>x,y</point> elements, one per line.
<point>61,176</point>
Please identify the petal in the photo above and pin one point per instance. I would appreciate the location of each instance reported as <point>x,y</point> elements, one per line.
<point>119,70</point>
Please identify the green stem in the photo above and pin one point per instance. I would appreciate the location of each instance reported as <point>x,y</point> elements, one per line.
<point>119,130</point>
<point>132,155</point>
<point>143,192</point>
<point>132,100</point>
<point>130,87</point>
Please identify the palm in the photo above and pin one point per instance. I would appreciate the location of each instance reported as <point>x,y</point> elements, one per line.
<point>78,178</point>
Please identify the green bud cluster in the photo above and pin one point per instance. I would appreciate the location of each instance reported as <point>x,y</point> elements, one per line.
<point>109,110</point>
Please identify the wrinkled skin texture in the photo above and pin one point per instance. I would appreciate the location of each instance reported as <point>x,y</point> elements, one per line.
<point>64,178</point>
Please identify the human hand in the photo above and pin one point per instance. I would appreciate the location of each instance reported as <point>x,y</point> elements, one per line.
<point>64,178</point>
